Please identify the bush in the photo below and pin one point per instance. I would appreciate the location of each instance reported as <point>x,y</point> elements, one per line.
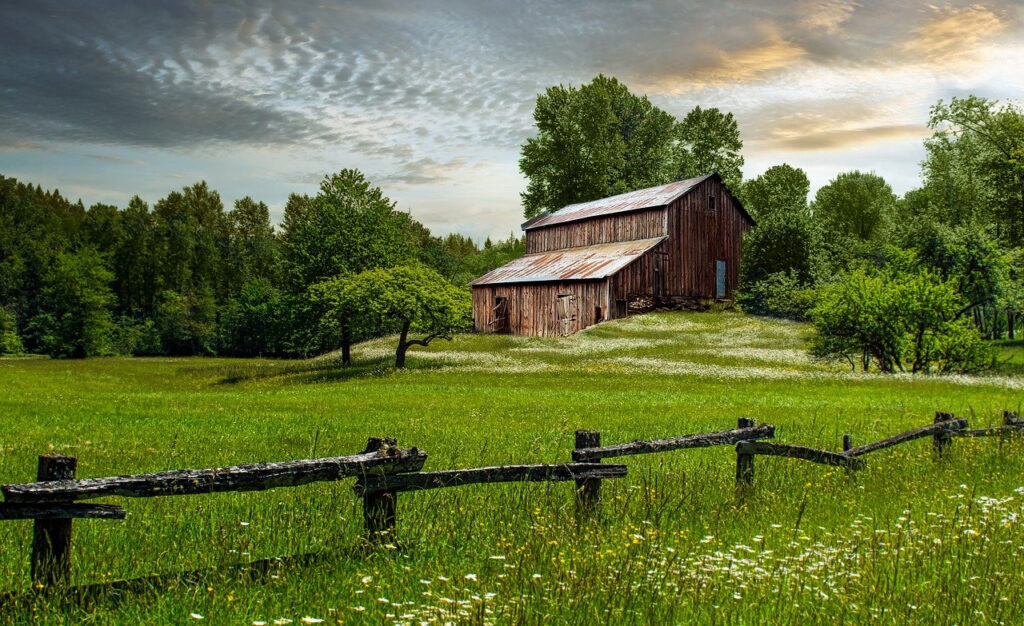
<point>778,295</point>
<point>137,337</point>
<point>10,342</point>
<point>896,321</point>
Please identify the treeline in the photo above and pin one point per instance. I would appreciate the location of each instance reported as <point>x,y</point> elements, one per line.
<point>901,283</point>
<point>912,283</point>
<point>189,277</point>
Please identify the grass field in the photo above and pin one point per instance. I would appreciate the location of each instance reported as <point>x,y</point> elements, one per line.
<point>906,540</point>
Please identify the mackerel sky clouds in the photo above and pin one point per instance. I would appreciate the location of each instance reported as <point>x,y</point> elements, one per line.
<point>432,100</point>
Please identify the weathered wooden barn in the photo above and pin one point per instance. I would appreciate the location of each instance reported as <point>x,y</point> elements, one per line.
<point>667,246</point>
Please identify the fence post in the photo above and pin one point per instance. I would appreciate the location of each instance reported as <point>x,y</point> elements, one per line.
<point>744,462</point>
<point>380,508</point>
<point>588,490</point>
<point>51,538</point>
<point>847,442</point>
<point>941,440</point>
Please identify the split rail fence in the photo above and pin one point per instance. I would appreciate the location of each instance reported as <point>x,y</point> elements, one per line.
<point>383,470</point>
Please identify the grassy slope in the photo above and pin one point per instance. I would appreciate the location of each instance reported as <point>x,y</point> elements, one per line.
<point>810,544</point>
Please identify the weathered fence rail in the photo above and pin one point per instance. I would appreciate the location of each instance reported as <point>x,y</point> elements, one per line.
<point>943,426</point>
<point>254,477</point>
<point>478,475</point>
<point>383,470</point>
<point>804,453</point>
<point>699,440</point>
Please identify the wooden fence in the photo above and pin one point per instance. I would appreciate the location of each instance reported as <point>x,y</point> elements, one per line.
<point>383,470</point>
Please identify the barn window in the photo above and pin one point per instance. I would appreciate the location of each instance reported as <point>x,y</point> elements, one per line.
<point>712,205</point>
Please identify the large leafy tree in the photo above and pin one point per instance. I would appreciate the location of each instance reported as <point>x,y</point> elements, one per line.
<point>855,204</point>
<point>253,251</point>
<point>784,238</point>
<point>709,141</point>
<point>407,299</point>
<point>593,141</point>
<point>78,322</point>
<point>974,170</point>
<point>350,226</point>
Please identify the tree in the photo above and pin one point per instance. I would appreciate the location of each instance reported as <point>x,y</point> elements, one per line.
<point>349,227</point>
<point>134,261</point>
<point>253,322</point>
<point>784,239</point>
<point>10,342</point>
<point>253,250</point>
<point>187,322</point>
<point>78,322</point>
<point>335,313</point>
<point>409,298</point>
<point>854,204</point>
<point>709,141</point>
<point>979,144</point>
<point>594,141</point>
<point>896,320</point>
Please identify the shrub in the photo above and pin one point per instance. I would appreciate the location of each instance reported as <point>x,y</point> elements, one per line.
<point>778,295</point>
<point>10,342</point>
<point>896,321</point>
<point>134,337</point>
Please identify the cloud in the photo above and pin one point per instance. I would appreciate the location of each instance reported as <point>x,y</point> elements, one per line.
<point>955,36</point>
<point>845,138</point>
<point>117,160</point>
<point>20,145</point>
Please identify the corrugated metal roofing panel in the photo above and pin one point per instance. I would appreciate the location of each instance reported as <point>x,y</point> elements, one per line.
<point>631,201</point>
<point>583,263</point>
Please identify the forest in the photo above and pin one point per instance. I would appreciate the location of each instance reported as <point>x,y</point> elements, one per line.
<point>189,277</point>
<point>917,282</point>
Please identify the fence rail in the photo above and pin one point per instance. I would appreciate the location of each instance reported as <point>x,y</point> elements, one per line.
<point>383,470</point>
<point>699,440</point>
<point>478,475</point>
<point>254,477</point>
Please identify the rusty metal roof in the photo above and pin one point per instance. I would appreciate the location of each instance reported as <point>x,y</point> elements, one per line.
<point>583,263</point>
<point>632,201</point>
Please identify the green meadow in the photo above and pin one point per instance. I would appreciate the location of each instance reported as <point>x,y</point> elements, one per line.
<point>909,539</point>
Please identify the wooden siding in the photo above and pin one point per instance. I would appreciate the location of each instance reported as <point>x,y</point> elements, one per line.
<point>642,224</point>
<point>639,277</point>
<point>533,307</point>
<point>698,237</point>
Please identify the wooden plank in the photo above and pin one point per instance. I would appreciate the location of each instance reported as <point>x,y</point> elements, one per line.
<point>497,474</point>
<point>699,440</point>
<point>799,452</point>
<point>910,435</point>
<point>11,511</point>
<point>991,432</point>
<point>253,477</point>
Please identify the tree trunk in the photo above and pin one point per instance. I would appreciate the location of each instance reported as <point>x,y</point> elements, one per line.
<point>403,345</point>
<point>1011,321</point>
<point>346,347</point>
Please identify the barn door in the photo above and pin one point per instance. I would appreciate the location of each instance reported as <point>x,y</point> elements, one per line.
<point>659,273</point>
<point>719,279</point>
<point>565,310</point>
<point>499,319</point>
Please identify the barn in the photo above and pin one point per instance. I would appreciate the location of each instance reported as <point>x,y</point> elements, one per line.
<point>669,246</point>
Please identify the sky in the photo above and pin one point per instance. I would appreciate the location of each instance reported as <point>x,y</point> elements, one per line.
<point>433,100</point>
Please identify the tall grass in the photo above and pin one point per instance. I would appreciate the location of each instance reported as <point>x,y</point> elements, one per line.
<point>908,540</point>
